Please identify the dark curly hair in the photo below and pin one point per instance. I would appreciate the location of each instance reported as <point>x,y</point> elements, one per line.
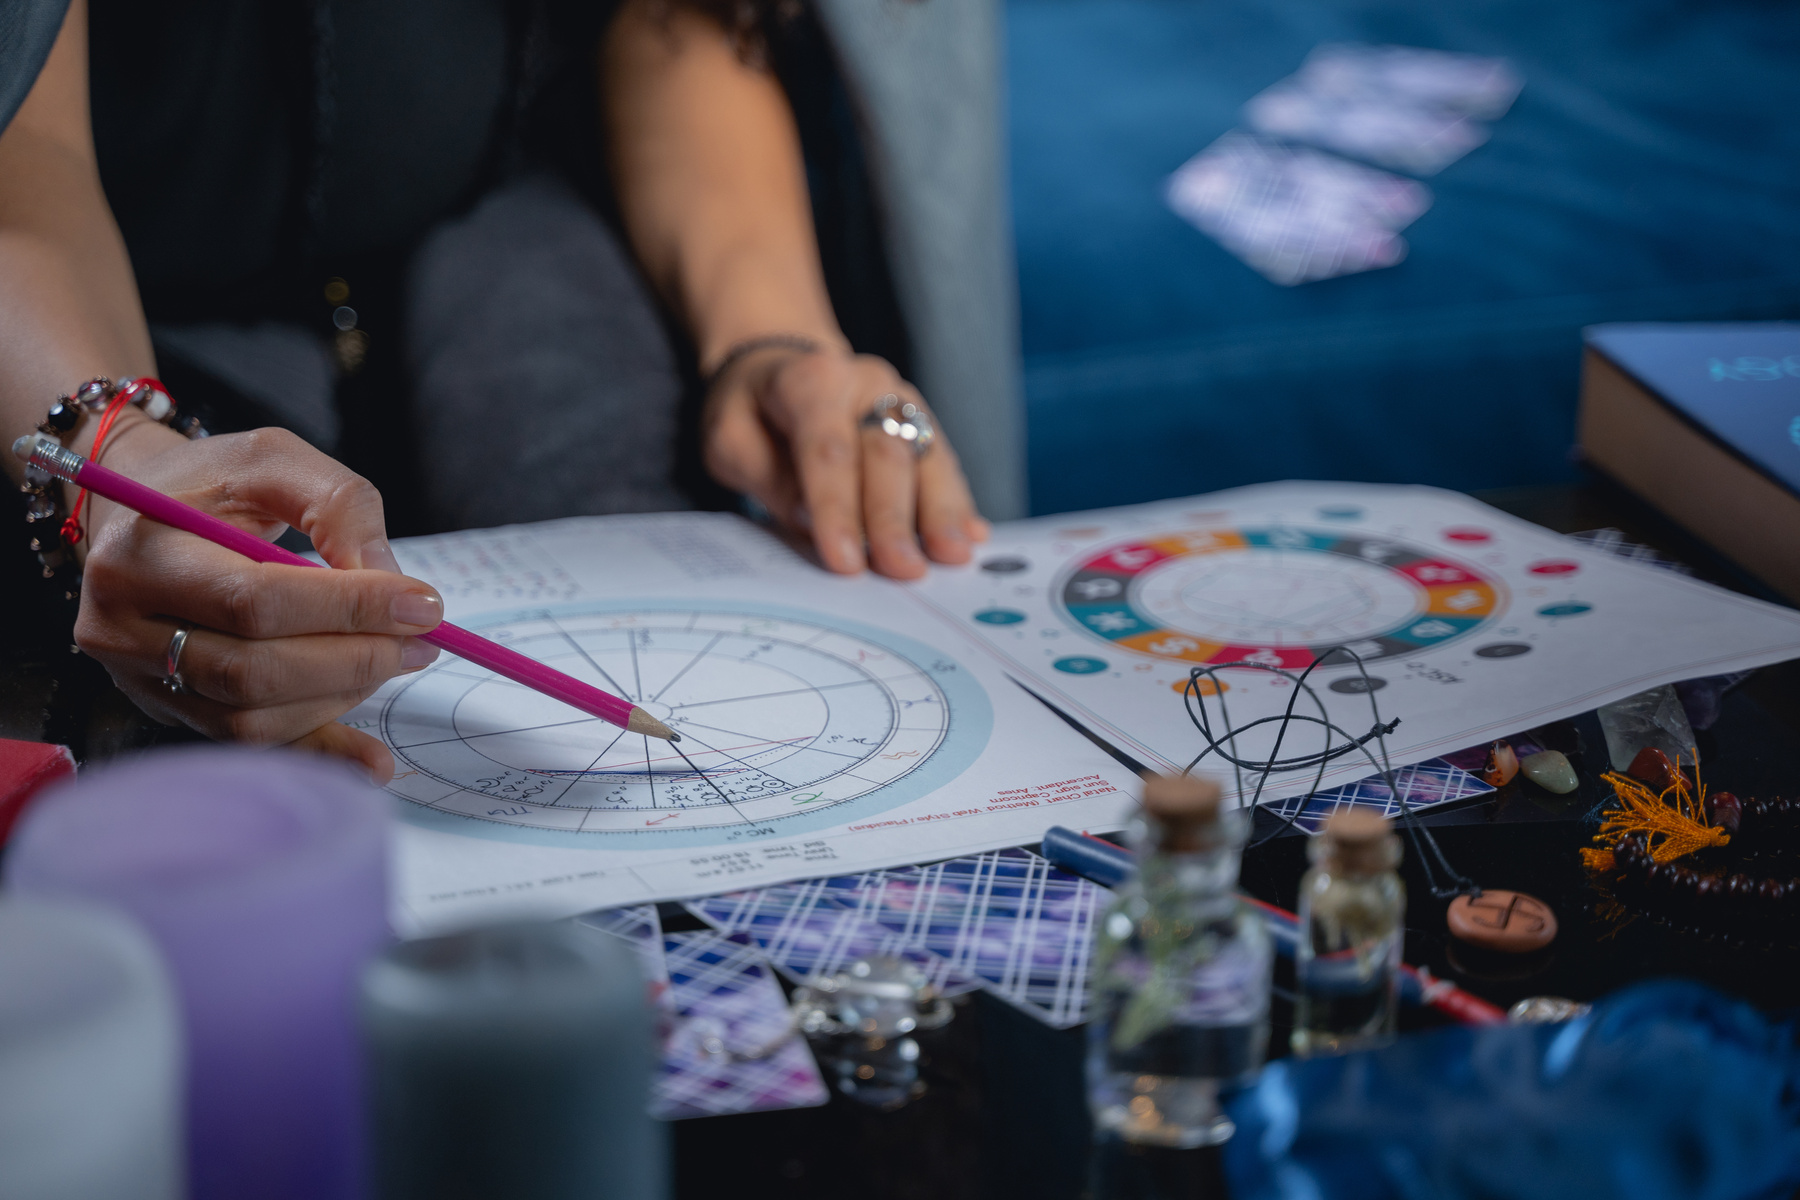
<point>748,23</point>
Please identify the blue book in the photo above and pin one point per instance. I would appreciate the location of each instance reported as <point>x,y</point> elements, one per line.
<point>1703,421</point>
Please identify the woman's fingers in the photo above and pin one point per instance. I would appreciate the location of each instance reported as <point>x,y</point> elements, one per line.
<point>789,433</point>
<point>340,741</point>
<point>258,672</point>
<point>811,404</point>
<point>742,455</point>
<point>161,571</point>
<point>890,485</point>
<point>948,524</point>
<point>273,474</point>
<point>272,725</point>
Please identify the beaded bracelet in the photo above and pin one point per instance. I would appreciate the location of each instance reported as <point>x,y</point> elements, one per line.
<point>1761,907</point>
<point>42,499</point>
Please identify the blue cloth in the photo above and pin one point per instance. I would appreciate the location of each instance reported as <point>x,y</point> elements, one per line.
<point>1666,1091</point>
<point>1649,171</point>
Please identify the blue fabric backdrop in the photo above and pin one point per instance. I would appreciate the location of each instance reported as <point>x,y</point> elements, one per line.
<point>1650,170</point>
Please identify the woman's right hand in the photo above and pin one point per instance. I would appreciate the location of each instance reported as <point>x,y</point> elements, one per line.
<point>276,653</point>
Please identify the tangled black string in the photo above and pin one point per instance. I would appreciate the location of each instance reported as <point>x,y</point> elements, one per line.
<point>1224,744</point>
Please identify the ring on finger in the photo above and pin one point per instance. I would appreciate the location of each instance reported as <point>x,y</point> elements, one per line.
<point>172,661</point>
<point>902,419</point>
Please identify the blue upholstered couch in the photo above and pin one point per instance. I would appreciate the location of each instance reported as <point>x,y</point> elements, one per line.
<point>1650,170</point>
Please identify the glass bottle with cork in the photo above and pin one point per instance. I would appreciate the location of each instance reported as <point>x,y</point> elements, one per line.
<point>1181,976</point>
<point>1352,922</point>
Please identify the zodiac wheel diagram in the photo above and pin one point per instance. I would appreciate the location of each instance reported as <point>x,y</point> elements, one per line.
<point>1278,595</point>
<point>779,718</point>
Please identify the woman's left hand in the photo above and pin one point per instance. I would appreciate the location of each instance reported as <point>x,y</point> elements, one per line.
<point>784,427</point>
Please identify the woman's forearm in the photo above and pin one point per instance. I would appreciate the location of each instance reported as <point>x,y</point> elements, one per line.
<point>706,160</point>
<point>69,307</point>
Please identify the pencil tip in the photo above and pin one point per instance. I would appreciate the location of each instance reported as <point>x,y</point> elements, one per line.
<point>643,722</point>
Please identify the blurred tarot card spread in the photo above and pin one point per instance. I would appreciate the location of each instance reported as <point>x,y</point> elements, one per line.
<point>1295,214</point>
<point>1396,106</point>
<point>727,1039</point>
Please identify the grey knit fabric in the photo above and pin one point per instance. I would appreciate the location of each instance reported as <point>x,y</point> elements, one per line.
<point>927,78</point>
<point>544,384</point>
<point>28,29</point>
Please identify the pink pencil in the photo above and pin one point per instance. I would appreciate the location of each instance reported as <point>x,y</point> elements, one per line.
<point>45,452</point>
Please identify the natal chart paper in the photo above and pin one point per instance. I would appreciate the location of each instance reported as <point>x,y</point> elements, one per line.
<point>846,727</point>
<point>1472,624</point>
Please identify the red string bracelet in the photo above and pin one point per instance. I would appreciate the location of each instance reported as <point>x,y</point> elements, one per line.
<point>127,393</point>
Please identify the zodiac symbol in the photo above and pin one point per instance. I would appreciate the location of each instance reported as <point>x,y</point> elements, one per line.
<point>1174,645</point>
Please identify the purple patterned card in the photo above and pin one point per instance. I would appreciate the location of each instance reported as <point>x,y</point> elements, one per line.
<point>808,929</point>
<point>1436,781</point>
<point>728,1042</point>
<point>733,1047</point>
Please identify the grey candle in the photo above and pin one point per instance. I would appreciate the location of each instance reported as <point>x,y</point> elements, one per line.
<point>512,1063</point>
<point>90,1058</point>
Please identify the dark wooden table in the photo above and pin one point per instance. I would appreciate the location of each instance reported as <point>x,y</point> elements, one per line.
<point>1005,1114</point>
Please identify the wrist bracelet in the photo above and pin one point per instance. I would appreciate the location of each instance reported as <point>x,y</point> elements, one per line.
<point>43,502</point>
<point>768,341</point>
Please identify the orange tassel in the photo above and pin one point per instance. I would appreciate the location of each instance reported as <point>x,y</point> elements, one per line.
<point>1674,823</point>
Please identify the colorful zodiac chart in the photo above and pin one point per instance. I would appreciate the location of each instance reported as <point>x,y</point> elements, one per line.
<point>1278,595</point>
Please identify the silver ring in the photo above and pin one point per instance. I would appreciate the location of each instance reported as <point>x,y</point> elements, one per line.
<point>172,660</point>
<point>904,420</point>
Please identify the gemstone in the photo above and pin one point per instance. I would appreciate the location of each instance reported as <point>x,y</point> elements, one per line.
<point>62,416</point>
<point>1507,922</point>
<point>157,406</point>
<point>1772,891</point>
<point>1653,767</point>
<point>40,507</point>
<point>1739,886</point>
<point>1546,1010</point>
<point>1502,764</point>
<point>1726,810</point>
<point>92,393</point>
<point>1707,888</point>
<point>1652,718</point>
<point>1550,770</point>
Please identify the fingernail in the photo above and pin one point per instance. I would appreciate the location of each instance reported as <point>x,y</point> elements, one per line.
<point>418,608</point>
<point>379,556</point>
<point>416,654</point>
<point>850,552</point>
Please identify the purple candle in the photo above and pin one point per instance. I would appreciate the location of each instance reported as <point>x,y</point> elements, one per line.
<point>262,877</point>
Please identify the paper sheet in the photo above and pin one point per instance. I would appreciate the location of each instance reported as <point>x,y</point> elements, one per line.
<point>1474,625</point>
<point>847,727</point>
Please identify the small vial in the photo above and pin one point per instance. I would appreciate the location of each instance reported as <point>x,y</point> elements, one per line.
<point>1181,977</point>
<point>1352,921</point>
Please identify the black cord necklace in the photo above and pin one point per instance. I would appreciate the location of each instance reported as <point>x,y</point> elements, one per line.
<point>1224,744</point>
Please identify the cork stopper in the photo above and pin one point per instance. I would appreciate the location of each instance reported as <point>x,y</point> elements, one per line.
<point>1356,841</point>
<point>1185,810</point>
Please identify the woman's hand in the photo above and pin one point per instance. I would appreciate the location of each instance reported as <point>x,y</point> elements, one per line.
<point>782,426</point>
<point>276,653</point>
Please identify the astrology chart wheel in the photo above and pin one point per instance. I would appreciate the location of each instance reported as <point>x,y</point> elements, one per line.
<point>1281,596</point>
<point>786,723</point>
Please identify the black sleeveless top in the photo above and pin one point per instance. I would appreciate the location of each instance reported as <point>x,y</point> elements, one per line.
<point>249,148</point>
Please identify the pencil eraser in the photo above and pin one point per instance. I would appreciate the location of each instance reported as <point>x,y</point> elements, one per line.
<point>25,768</point>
